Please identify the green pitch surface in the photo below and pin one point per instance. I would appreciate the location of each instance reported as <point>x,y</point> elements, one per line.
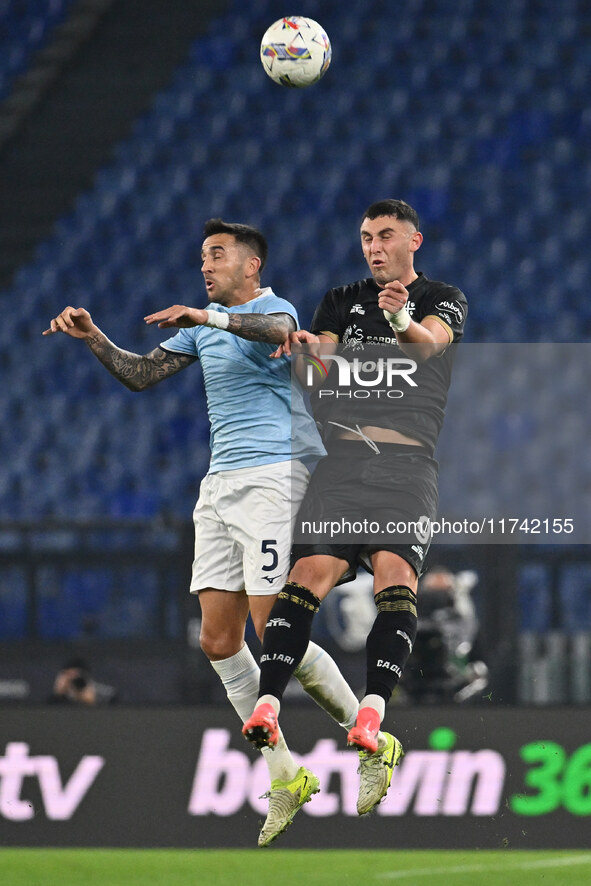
<point>277,867</point>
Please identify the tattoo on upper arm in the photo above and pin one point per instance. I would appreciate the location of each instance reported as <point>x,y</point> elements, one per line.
<point>272,328</point>
<point>135,371</point>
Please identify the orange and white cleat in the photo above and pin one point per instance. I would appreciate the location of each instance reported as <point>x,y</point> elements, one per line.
<point>262,728</point>
<point>364,735</point>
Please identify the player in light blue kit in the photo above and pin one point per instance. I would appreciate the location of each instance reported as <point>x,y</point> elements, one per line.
<point>256,478</point>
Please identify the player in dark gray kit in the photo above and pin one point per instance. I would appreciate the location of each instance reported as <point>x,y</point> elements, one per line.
<point>379,467</point>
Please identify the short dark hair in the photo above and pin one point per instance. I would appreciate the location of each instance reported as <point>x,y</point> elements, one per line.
<point>398,208</point>
<point>77,663</point>
<point>246,234</point>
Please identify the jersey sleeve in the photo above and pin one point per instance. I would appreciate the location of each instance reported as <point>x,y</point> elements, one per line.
<point>184,342</point>
<point>448,305</point>
<point>273,304</point>
<point>327,317</point>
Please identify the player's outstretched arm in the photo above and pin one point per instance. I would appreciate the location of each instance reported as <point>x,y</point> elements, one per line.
<point>75,322</point>
<point>315,346</point>
<point>303,337</point>
<point>134,371</point>
<point>272,328</point>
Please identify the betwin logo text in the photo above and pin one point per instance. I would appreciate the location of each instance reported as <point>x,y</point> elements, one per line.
<point>427,782</point>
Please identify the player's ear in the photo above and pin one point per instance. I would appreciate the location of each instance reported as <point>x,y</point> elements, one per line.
<point>253,265</point>
<point>415,241</point>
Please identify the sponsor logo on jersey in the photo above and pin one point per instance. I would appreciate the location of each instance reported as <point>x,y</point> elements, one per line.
<point>382,340</point>
<point>353,333</point>
<point>357,309</point>
<point>418,550</point>
<point>451,308</point>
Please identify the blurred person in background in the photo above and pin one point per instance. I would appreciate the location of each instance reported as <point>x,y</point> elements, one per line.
<point>446,662</point>
<point>74,684</point>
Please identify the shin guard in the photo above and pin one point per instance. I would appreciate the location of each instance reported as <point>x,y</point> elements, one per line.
<point>390,640</point>
<point>286,638</point>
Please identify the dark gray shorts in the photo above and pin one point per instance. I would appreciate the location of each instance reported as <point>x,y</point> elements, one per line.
<point>359,502</point>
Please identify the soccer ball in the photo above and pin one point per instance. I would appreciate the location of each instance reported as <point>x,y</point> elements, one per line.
<point>295,51</point>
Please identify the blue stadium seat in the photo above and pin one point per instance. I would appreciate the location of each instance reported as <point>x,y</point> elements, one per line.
<point>25,28</point>
<point>575,597</point>
<point>535,599</point>
<point>13,602</point>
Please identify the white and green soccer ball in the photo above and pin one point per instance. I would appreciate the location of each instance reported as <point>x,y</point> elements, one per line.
<point>295,51</point>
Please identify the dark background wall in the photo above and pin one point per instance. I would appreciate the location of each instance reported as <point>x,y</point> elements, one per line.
<point>469,779</point>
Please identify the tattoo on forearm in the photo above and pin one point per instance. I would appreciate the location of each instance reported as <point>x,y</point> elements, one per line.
<point>137,372</point>
<point>272,328</point>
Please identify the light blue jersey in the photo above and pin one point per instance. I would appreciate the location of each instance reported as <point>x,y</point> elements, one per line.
<point>256,416</point>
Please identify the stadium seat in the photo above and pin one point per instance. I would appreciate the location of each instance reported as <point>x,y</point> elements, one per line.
<point>24,28</point>
<point>535,599</point>
<point>575,597</point>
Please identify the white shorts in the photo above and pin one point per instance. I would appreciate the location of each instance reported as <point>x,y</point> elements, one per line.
<point>243,527</point>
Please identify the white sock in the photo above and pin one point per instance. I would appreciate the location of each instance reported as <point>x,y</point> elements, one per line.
<point>319,675</point>
<point>376,702</point>
<point>272,700</point>
<point>240,676</point>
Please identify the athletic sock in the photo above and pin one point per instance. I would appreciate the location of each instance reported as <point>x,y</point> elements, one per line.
<point>376,702</point>
<point>390,640</point>
<point>240,676</point>
<point>287,634</point>
<point>320,676</point>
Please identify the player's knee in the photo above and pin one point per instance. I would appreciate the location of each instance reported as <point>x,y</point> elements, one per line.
<point>318,572</point>
<point>390,569</point>
<point>219,645</point>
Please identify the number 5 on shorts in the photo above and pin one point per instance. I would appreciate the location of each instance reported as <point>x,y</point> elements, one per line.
<point>267,548</point>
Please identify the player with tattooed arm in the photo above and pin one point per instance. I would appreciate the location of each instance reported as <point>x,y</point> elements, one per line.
<point>256,478</point>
